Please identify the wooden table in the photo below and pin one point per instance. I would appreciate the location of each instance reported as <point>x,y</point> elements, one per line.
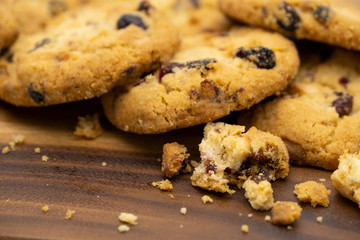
<point>74,178</point>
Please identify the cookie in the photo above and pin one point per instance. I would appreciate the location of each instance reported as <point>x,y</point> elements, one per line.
<point>259,194</point>
<point>284,213</point>
<point>173,159</point>
<point>194,16</point>
<point>346,179</point>
<point>212,75</point>
<point>330,21</point>
<point>84,53</point>
<point>8,26</point>
<point>313,192</point>
<point>229,155</point>
<point>318,116</point>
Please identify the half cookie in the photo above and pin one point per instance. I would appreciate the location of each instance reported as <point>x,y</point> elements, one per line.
<point>329,21</point>
<point>212,75</point>
<point>84,53</point>
<point>318,117</point>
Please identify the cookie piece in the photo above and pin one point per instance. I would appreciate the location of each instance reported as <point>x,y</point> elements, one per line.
<point>84,53</point>
<point>8,26</point>
<point>330,21</point>
<point>208,78</point>
<point>229,155</point>
<point>313,192</point>
<point>194,16</point>
<point>346,179</point>
<point>174,155</point>
<point>323,103</point>
<point>259,193</point>
<point>284,213</point>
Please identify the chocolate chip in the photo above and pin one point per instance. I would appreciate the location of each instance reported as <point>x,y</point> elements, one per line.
<point>209,168</point>
<point>322,13</point>
<point>195,3</point>
<point>36,96</point>
<point>344,81</point>
<point>343,104</point>
<point>127,19</point>
<point>168,68</point>
<point>40,44</point>
<point>57,6</point>
<point>289,19</point>
<point>261,56</point>
<point>144,6</point>
<point>198,64</point>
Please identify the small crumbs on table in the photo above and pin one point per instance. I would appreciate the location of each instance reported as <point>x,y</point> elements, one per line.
<point>289,227</point>
<point>267,218</point>
<point>18,138</point>
<point>183,210</point>
<point>128,218</point>
<point>123,228</point>
<point>240,214</point>
<point>250,215</point>
<point>5,150</point>
<point>88,127</point>
<point>319,219</point>
<point>45,208</point>
<point>44,158</point>
<point>245,228</point>
<point>103,164</point>
<point>171,195</point>
<point>322,179</point>
<point>206,199</point>
<point>164,185</point>
<point>181,226</point>
<point>69,214</point>
<point>37,150</point>
<point>12,145</point>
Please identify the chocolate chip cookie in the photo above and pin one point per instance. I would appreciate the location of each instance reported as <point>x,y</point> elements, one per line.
<point>212,75</point>
<point>8,25</point>
<point>329,21</point>
<point>84,53</point>
<point>318,116</point>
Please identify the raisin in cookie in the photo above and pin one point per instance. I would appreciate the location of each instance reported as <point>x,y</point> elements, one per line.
<point>193,16</point>
<point>346,179</point>
<point>212,75</point>
<point>318,117</point>
<point>84,53</point>
<point>329,21</point>
<point>8,26</point>
<point>229,155</point>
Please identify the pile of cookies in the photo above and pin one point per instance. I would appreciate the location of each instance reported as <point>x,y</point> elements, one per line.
<point>160,65</point>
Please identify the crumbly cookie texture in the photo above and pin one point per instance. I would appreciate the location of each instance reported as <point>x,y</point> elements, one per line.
<point>164,185</point>
<point>259,193</point>
<point>284,213</point>
<point>346,179</point>
<point>212,75</point>
<point>89,126</point>
<point>313,192</point>
<point>229,155</point>
<point>194,16</point>
<point>128,218</point>
<point>174,155</point>
<point>8,25</point>
<point>84,53</point>
<point>323,103</point>
<point>330,21</point>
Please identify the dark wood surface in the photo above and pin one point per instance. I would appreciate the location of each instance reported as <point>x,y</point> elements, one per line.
<point>74,178</point>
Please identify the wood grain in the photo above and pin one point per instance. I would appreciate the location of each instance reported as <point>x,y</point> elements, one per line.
<point>74,178</point>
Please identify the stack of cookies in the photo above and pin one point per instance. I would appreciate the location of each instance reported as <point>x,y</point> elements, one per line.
<point>160,65</point>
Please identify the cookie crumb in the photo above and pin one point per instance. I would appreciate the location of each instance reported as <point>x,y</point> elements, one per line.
<point>245,228</point>
<point>259,194</point>
<point>285,213</point>
<point>250,215</point>
<point>240,214</point>
<point>69,214</point>
<point>45,208</point>
<point>183,210</point>
<point>206,199</point>
<point>164,185</point>
<point>171,195</point>
<point>5,150</point>
<point>181,226</point>
<point>289,227</point>
<point>103,164</point>
<point>12,145</point>
<point>123,228</point>
<point>44,158</point>
<point>319,219</point>
<point>18,138</point>
<point>267,218</point>
<point>174,155</point>
<point>37,150</point>
<point>313,192</point>
<point>322,179</point>
<point>128,218</point>
<point>88,127</point>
